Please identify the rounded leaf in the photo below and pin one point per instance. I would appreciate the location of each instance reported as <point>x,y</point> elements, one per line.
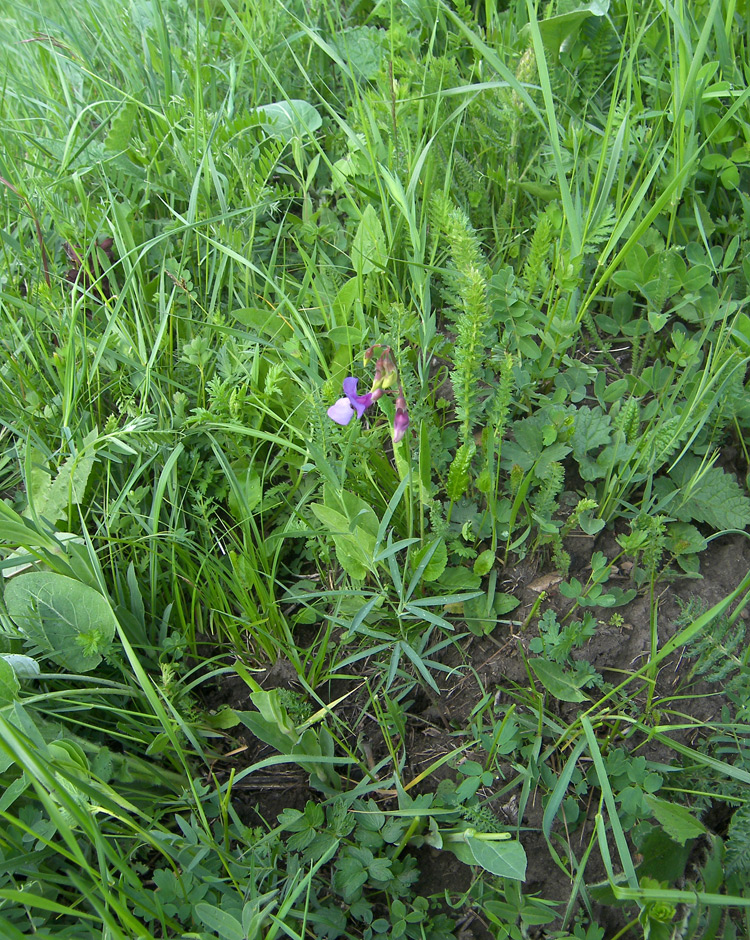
<point>61,618</point>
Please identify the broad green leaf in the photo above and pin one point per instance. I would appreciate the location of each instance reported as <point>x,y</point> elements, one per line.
<point>14,719</point>
<point>335,522</point>
<point>357,511</point>
<point>24,666</point>
<point>223,923</point>
<point>345,299</point>
<point>741,331</point>
<point>556,681</point>
<point>484,562</point>
<point>436,565</point>
<point>354,549</point>
<point>529,448</point>
<point>349,876</point>
<point>346,335</point>
<point>555,30</point>
<point>459,579</point>
<point>684,539</point>
<point>677,821</point>
<point>481,616</point>
<point>120,136</point>
<point>364,48</point>
<point>57,547</point>
<point>61,618</point>
<point>263,320</point>
<point>592,430</point>
<point>462,852</point>
<point>504,603</point>
<point>250,488</point>
<point>657,320</point>
<point>730,176</point>
<point>368,248</point>
<point>663,858</point>
<point>505,859</point>
<point>288,119</point>
<point>9,684</point>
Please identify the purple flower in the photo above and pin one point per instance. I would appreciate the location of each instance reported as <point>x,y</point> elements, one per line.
<point>345,408</point>
<point>400,424</point>
<point>400,419</point>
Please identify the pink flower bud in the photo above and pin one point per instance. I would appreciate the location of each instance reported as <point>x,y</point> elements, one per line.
<point>400,419</point>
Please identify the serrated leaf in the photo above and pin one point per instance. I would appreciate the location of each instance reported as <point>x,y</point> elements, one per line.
<point>592,430</point>
<point>556,681</point>
<point>677,821</point>
<point>349,876</point>
<point>505,859</point>
<point>63,618</point>
<point>380,869</point>
<point>529,448</point>
<point>684,539</point>
<point>52,499</point>
<point>715,498</point>
<point>364,48</point>
<point>121,128</point>
<point>458,475</point>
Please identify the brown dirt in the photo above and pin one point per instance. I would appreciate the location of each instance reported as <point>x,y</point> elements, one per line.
<point>438,725</point>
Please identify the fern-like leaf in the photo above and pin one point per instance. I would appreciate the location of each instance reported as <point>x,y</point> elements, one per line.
<point>738,843</point>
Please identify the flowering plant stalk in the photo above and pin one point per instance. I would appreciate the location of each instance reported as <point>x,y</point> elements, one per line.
<point>385,379</point>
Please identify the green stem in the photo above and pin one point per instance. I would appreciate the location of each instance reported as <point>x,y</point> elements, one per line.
<point>654,644</point>
<point>625,929</point>
<point>407,835</point>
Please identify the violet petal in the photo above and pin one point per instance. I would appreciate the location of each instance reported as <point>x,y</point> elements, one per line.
<point>400,424</point>
<point>342,412</point>
<point>358,402</point>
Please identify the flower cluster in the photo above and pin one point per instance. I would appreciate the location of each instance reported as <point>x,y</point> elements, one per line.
<point>386,378</point>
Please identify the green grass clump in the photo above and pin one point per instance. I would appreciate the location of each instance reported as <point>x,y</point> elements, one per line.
<point>529,224</point>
